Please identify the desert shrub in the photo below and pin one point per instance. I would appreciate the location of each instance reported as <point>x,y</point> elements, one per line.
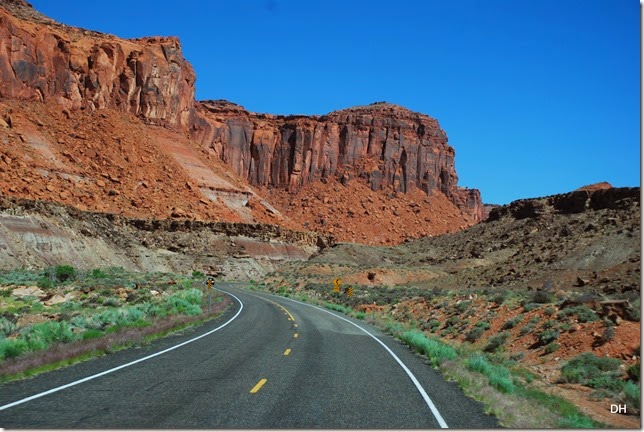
<point>198,275</point>
<point>584,313</point>
<point>631,394</point>
<point>530,307</point>
<point>633,371</point>
<point>71,305</point>
<point>40,336</point>
<point>462,306</point>
<point>547,336</point>
<point>485,325</point>
<point>360,315</point>
<point>44,283</point>
<point>549,311</point>
<point>590,370</point>
<point>542,297</point>
<point>517,356</point>
<point>526,329</point>
<point>552,347</point>
<point>10,348</point>
<point>633,312</point>
<point>474,334</point>
<point>453,321</point>
<point>549,324</point>
<point>608,334</point>
<point>151,309</point>
<point>98,274</point>
<point>433,324</point>
<point>512,322</point>
<point>191,295</point>
<point>111,301</point>
<point>499,298</point>
<point>86,322</point>
<point>65,272</point>
<point>176,304</point>
<point>496,342</point>
<point>577,421</point>
<point>6,327</point>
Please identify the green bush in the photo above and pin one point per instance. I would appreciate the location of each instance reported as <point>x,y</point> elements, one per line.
<point>632,394</point>
<point>98,274</point>
<point>474,334</point>
<point>633,312</point>
<point>577,421</point>
<point>10,348</point>
<point>44,283</point>
<point>552,347</point>
<point>198,275</point>
<point>549,311</point>
<point>542,297</point>
<point>512,322</point>
<point>65,273</point>
<point>496,342</point>
<point>530,307</point>
<point>548,336</point>
<point>6,327</point>
<point>633,371</point>
<point>526,329</point>
<point>42,335</point>
<point>587,368</point>
<point>584,313</point>
<point>191,295</point>
<point>485,325</point>
<point>176,304</point>
<point>111,302</point>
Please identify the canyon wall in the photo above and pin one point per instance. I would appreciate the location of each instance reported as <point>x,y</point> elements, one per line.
<point>80,69</point>
<point>384,144</point>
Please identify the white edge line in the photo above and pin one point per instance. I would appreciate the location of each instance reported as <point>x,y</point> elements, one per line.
<point>421,390</point>
<point>89,378</point>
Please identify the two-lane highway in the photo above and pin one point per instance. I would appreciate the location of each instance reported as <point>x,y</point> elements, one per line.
<point>269,362</point>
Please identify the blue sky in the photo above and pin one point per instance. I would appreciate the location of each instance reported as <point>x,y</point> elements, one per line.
<point>536,97</point>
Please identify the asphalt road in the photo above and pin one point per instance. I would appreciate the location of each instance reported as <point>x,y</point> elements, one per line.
<point>275,363</point>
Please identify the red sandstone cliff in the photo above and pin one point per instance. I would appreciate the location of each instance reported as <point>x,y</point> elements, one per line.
<point>80,69</point>
<point>384,144</point>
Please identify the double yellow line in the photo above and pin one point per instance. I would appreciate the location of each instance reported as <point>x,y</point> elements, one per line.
<point>287,352</point>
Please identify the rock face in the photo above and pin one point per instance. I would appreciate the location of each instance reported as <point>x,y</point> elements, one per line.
<point>79,69</point>
<point>385,144</point>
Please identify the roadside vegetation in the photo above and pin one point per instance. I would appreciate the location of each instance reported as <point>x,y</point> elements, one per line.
<point>456,335</point>
<point>61,315</point>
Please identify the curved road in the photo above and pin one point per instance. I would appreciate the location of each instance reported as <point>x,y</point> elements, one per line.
<point>275,363</point>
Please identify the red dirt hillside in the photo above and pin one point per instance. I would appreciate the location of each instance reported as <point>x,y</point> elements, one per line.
<point>108,124</point>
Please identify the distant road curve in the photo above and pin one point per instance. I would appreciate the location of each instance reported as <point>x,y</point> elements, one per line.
<point>269,362</point>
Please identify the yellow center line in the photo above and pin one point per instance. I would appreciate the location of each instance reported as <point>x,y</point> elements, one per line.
<point>284,309</point>
<point>259,385</point>
<point>295,325</point>
<point>295,335</point>
<point>287,352</point>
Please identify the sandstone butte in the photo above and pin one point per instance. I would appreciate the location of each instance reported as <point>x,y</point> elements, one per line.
<point>385,146</point>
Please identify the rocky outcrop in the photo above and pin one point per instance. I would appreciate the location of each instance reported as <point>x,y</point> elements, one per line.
<point>577,201</point>
<point>385,144</point>
<point>79,69</point>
